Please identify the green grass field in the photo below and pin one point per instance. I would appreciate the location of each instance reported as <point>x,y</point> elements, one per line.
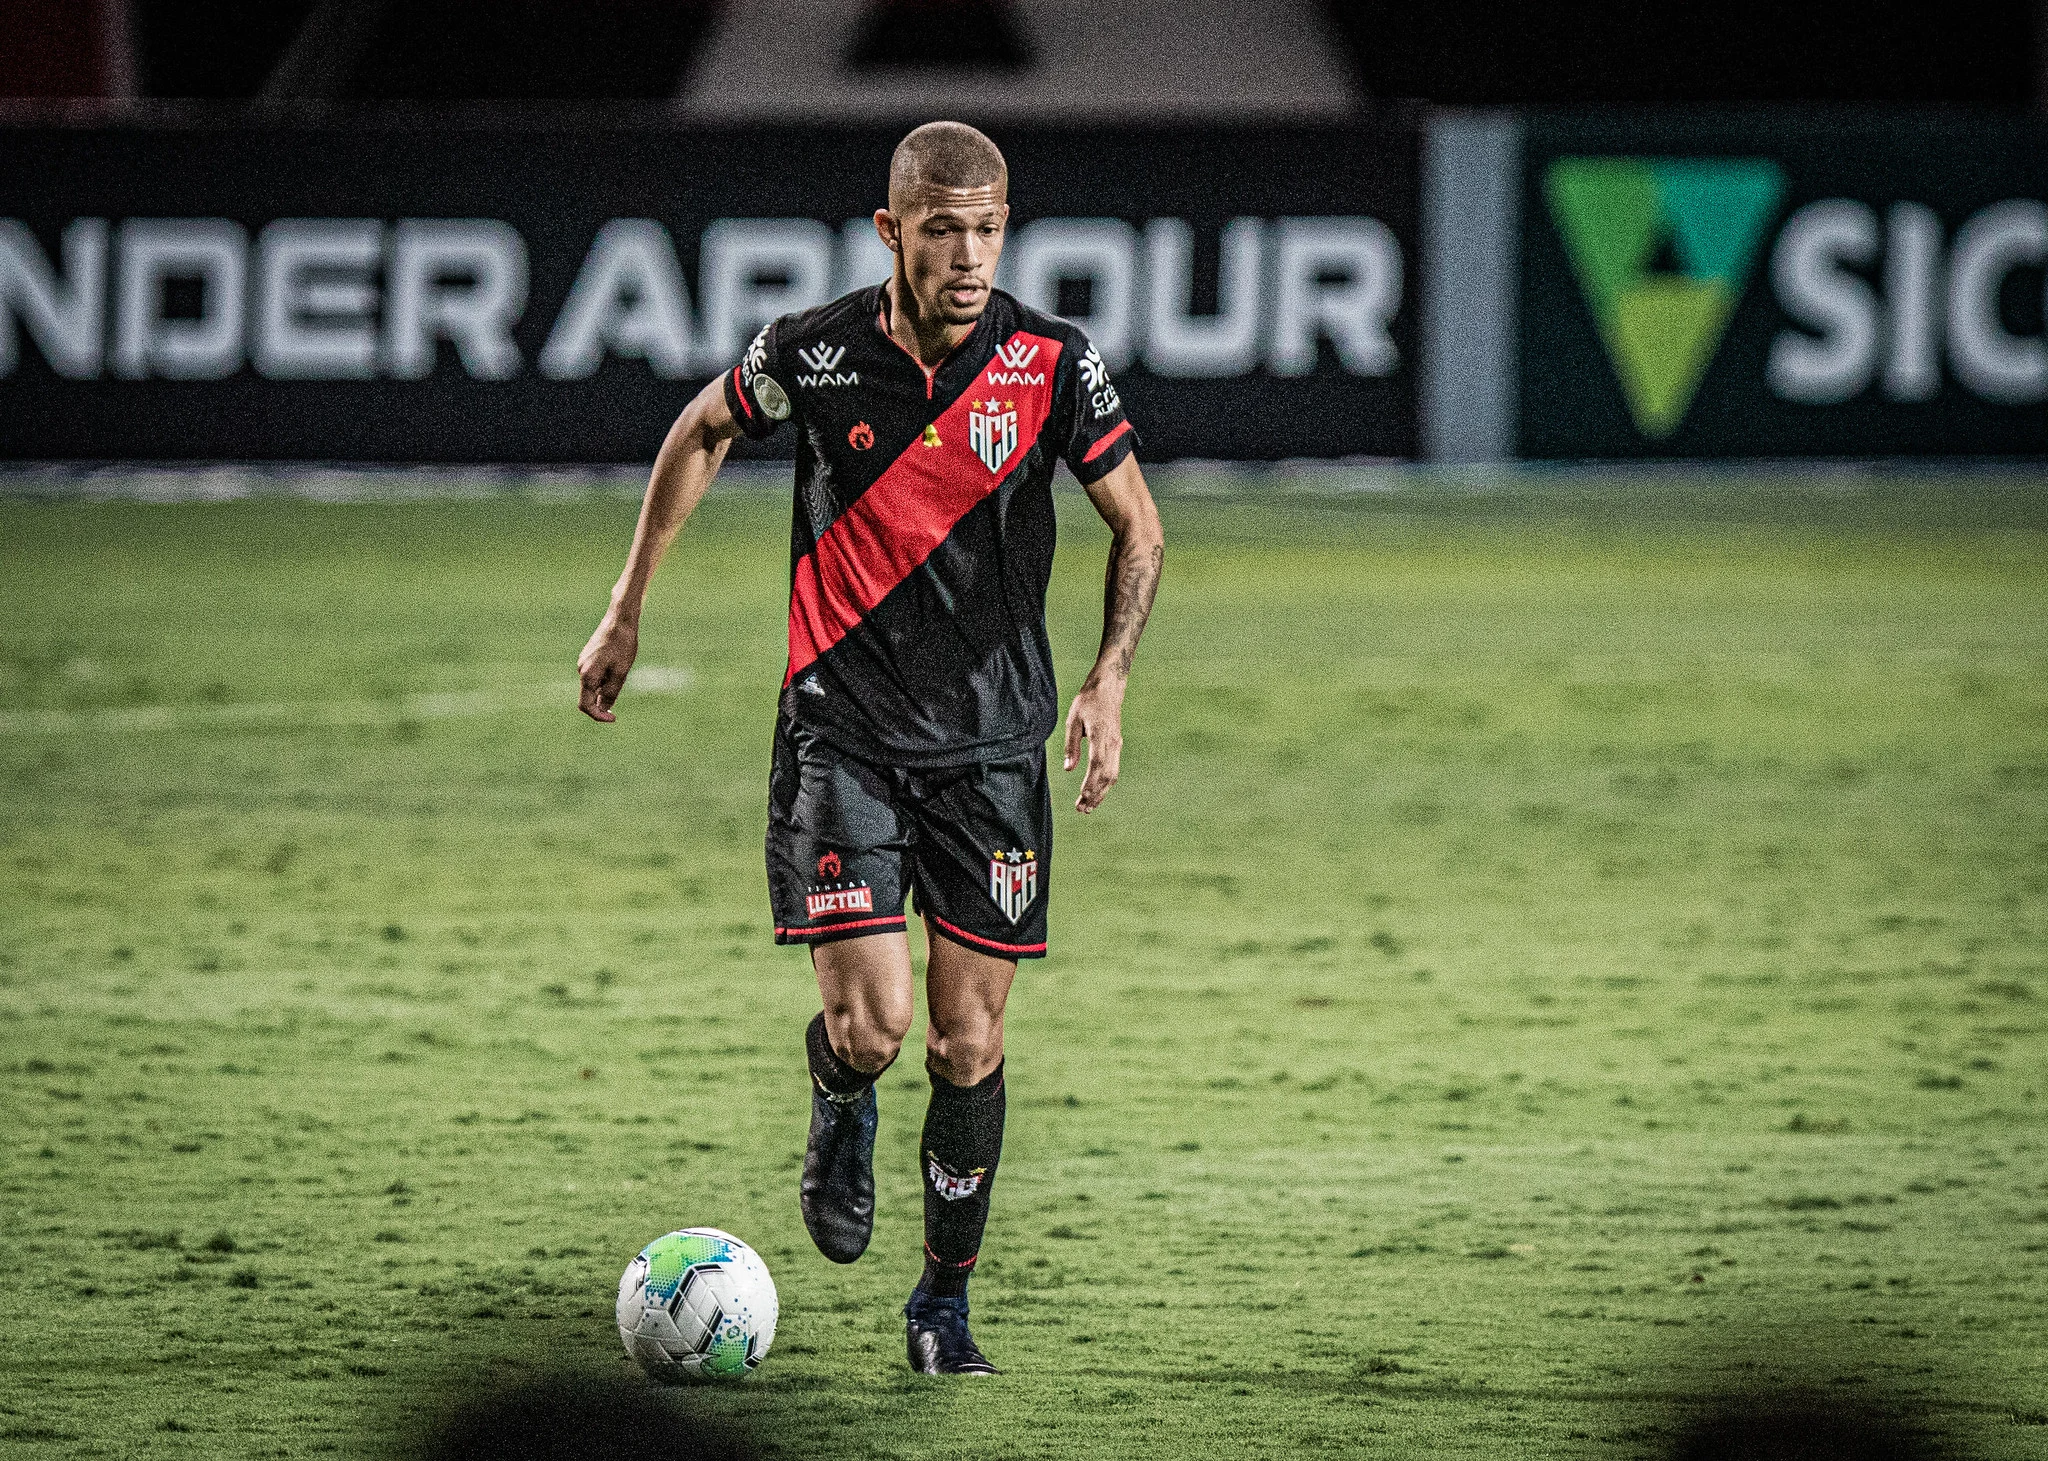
<point>1558,954</point>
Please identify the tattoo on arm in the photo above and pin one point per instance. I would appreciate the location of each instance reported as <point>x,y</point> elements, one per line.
<point>1127,592</point>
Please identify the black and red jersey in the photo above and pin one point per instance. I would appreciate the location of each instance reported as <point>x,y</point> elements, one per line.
<point>922,537</point>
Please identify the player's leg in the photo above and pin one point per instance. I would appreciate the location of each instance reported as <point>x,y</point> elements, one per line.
<point>963,1125</point>
<point>983,842</point>
<point>835,875</point>
<point>963,1143</point>
<point>866,986</point>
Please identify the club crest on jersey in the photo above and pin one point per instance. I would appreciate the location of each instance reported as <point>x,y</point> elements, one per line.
<point>951,1185</point>
<point>824,361</point>
<point>1013,882</point>
<point>992,432</point>
<point>1015,359</point>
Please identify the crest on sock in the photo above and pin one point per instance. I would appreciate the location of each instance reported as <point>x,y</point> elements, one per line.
<point>950,1184</point>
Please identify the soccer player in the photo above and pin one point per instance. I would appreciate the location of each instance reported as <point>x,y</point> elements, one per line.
<point>909,751</point>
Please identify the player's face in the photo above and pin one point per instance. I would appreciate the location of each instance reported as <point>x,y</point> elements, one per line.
<point>949,240</point>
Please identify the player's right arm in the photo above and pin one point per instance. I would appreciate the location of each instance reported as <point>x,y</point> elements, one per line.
<point>683,469</point>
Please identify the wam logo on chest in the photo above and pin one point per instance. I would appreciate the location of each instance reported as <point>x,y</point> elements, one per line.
<point>824,361</point>
<point>1015,357</point>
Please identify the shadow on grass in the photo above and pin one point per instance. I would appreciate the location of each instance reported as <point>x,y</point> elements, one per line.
<point>571,1417</point>
<point>613,1414</point>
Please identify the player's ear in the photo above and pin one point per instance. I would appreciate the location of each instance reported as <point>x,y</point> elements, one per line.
<point>889,229</point>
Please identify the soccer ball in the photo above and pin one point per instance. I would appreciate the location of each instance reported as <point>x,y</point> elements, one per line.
<point>697,1305</point>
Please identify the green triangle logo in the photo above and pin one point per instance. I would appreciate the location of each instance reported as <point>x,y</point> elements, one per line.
<point>1662,248</point>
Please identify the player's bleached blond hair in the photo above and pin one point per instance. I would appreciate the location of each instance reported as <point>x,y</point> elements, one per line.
<point>946,155</point>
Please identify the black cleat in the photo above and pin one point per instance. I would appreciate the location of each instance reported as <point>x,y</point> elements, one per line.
<point>938,1338</point>
<point>838,1188</point>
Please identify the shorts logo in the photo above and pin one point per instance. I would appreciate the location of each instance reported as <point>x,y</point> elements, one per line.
<point>951,1185</point>
<point>840,900</point>
<point>1013,882</point>
<point>861,437</point>
<point>992,431</point>
<point>858,899</point>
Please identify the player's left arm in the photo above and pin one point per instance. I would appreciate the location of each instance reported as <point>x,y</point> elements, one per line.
<point>1137,551</point>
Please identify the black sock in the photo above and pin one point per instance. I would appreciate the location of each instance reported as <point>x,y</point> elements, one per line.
<point>833,1075</point>
<point>963,1141</point>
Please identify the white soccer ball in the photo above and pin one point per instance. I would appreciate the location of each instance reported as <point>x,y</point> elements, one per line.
<point>697,1304</point>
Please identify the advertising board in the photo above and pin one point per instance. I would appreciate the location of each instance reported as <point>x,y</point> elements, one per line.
<point>1766,285</point>
<point>470,292</point>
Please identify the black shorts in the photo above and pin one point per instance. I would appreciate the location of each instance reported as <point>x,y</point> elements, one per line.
<point>847,839</point>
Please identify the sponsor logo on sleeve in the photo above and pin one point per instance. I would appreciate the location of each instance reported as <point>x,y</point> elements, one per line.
<point>1095,380</point>
<point>756,357</point>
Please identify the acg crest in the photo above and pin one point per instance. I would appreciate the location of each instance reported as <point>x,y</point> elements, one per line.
<point>1013,882</point>
<point>992,432</point>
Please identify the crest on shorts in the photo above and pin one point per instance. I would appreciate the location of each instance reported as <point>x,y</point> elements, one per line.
<point>992,432</point>
<point>1013,882</point>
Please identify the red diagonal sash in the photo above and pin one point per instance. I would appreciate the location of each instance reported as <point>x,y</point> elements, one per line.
<point>897,523</point>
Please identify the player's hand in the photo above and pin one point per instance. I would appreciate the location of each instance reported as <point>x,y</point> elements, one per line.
<point>1096,715</point>
<point>603,665</point>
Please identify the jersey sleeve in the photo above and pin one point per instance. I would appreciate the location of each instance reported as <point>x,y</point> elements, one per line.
<point>755,391</point>
<point>1100,435</point>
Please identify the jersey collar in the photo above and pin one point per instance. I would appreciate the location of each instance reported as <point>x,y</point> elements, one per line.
<point>880,315</point>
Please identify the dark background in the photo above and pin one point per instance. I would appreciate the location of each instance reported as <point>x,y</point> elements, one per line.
<point>1987,53</point>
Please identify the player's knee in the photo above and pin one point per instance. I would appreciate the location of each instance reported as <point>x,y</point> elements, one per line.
<point>967,1053</point>
<point>869,1036</point>
<point>870,1051</point>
